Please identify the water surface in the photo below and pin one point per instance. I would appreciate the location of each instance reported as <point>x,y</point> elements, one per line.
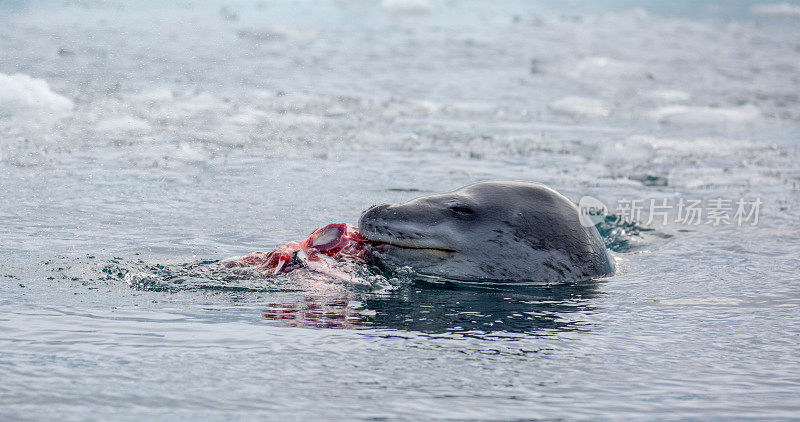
<point>138,140</point>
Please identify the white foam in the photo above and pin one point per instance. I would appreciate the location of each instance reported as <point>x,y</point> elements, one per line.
<point>407,6</point>
<point>777,9</point>
<point>580,107</point>
<point>705,115</point>
<point>22,94</point>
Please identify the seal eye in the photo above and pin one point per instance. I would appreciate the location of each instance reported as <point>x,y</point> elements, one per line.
<point>461,210</point>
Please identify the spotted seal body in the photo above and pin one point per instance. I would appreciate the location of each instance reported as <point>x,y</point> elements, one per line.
<point>490,231</point>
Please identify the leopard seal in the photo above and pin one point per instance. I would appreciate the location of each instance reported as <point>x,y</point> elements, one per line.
<point>497,231</point>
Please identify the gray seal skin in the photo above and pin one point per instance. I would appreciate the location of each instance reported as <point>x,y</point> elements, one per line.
<point>491,231</point>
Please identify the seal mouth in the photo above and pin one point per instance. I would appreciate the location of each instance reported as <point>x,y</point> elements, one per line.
<point>381,237</point>
<point>396,244</point>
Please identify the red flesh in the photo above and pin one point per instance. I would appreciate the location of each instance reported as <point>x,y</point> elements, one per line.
<point>339,241</point>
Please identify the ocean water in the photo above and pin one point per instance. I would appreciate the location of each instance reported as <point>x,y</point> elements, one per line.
<point>137,141</point>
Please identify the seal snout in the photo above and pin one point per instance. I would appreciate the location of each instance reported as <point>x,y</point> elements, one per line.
<point>400,227</point>
<point>372,219</point>
<point>372,212</point>
<point>372,223</point>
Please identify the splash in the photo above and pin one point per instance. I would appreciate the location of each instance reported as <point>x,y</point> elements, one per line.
<point>331,260</point>
<point>323,251</point>
<point>620,235</point>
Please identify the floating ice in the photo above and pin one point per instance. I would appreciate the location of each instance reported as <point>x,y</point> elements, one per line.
<point>667,95</point>
<point>603,67</point>
<point>705,115</point>
<point>22,94</point>
<point>638,149</point>
<point>248,116</point>
<point>777,9</point>
<point>580,107</point>
<point>685,147</point>
<point>189,153</point>
<point>407,6</point>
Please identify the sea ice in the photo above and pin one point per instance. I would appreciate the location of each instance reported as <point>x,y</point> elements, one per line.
<point>705,115</point>
<point>21,94</point>
<point>580,107</point>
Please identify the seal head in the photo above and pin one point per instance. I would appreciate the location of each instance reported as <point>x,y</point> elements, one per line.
<point>491,231</point>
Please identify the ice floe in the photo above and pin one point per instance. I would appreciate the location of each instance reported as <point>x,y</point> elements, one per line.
<point>580,107</point>
<point>604,67</point>
<point>666,95</point>
<point>21,94</point>
<point>705,115</point>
